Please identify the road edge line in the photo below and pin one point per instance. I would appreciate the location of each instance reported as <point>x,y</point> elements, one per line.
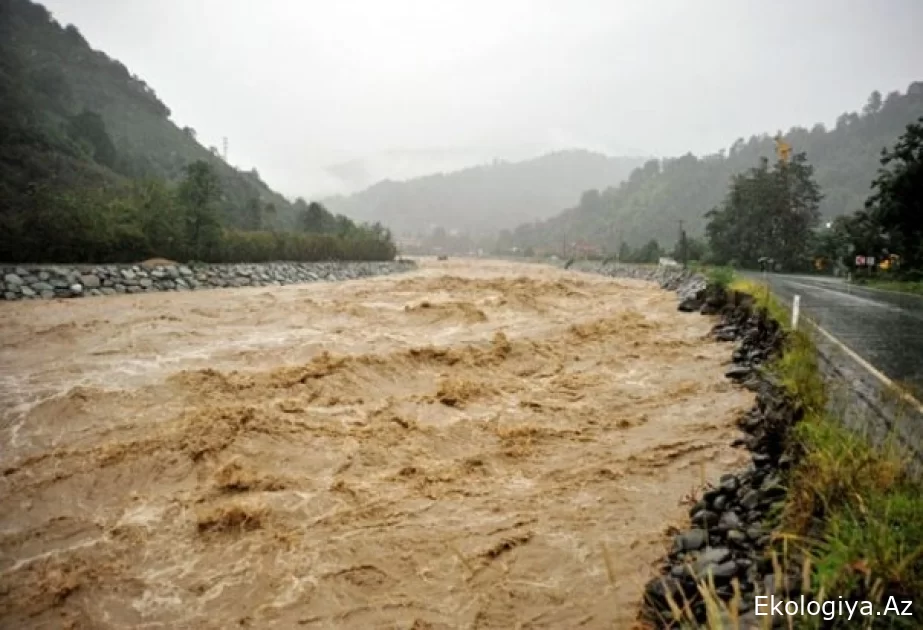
<point>865,288</point>
<point>871,369</point>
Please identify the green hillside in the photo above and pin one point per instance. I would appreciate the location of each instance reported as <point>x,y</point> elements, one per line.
<point>659,194</point>
<point>91,166</point>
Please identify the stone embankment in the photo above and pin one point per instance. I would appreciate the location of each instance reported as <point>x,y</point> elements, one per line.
<point>57,281</point>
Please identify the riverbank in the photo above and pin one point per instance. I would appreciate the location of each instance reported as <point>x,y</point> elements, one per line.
<point>73,281</point>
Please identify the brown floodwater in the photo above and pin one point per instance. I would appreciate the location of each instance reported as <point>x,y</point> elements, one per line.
<point>475,444</point>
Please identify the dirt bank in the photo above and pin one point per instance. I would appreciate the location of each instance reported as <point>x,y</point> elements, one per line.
<point>472,445</point>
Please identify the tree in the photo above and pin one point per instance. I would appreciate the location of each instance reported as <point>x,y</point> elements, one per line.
<point>696,249</point>
<point>268,216</point>
<point>768,212</point>
<point>896,203</point>
<point>253,214</point>
<point>312,217</point>
<point>873,106</point>
<point>199,193</point>
<point>160,217</point>
<point>89,127</point>
<point>650,253</point>
<point>626,254</point>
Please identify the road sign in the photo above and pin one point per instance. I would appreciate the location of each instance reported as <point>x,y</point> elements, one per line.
<point>860,261</point>
<point>783,149</point>
<point>870,261</point>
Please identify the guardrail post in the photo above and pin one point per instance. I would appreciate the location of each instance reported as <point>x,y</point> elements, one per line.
<point>796,310</point>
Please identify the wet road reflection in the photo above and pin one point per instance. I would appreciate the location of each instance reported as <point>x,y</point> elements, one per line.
<point>885,328</point>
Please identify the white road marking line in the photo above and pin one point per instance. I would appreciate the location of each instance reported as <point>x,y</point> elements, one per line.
<point>862,300</point>
<point>902,393</point>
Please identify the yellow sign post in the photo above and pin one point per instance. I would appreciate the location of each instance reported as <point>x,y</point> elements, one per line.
<point>783,149</point>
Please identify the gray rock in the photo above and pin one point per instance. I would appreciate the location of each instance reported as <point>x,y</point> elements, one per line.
<point>772,489</point>
<point>185,271</point>
<point>705,519</point>
<point>76,289</point>
<point>172,272</point>
<point>128,274</point>
<point>711,556</point>
<point>44,276</point>
<point>729,520</point>
<point>133,289</point>
<point>728,333</point>
<point>738,372</point>
<point>90,281</point>
<point>724,571</point>
<point>120,288</point>
<point>27,291</point>
<point>42,286</point>
<point>737,537</point>
<point>692,540</point>
<point>47,294</point>
<point>20,271</point>
<point>750,499</point>
<point>146,282</point>
<point>108,291</point>
<point>729,483</point>
<point>755,533</point>
<point>95,292</point>
<point>689,305</point>
<point>12,280</point>
<point>9,295</point>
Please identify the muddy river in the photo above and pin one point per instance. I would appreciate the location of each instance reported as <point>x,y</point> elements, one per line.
<point>476,444</point>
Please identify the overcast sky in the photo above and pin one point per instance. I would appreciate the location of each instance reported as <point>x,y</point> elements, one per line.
<point>411,86</point>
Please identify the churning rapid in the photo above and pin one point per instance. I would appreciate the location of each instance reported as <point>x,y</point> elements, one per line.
<point>476,444</point>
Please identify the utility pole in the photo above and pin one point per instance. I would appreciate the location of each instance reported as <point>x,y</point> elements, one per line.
<point>682,244</point>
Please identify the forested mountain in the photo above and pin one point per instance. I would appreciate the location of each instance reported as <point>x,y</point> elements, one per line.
<point>659,194</point>
<point>67,105</point>
<point>484,199</point>
<point>92,168</point>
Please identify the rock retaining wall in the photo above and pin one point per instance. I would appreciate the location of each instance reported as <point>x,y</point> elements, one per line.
<point>59,281</point>
<point>686,283</point>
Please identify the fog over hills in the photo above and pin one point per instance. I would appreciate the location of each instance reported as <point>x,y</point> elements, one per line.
<point>487,198</point>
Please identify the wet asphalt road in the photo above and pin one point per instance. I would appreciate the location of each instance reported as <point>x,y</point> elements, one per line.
<point>884,328</point>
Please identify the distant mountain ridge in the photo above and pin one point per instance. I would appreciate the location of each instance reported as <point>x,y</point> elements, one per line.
<point>487,198</point>
<point>652,201</point>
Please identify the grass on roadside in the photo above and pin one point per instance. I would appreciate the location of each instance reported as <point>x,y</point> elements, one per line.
<point>853,507</point>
